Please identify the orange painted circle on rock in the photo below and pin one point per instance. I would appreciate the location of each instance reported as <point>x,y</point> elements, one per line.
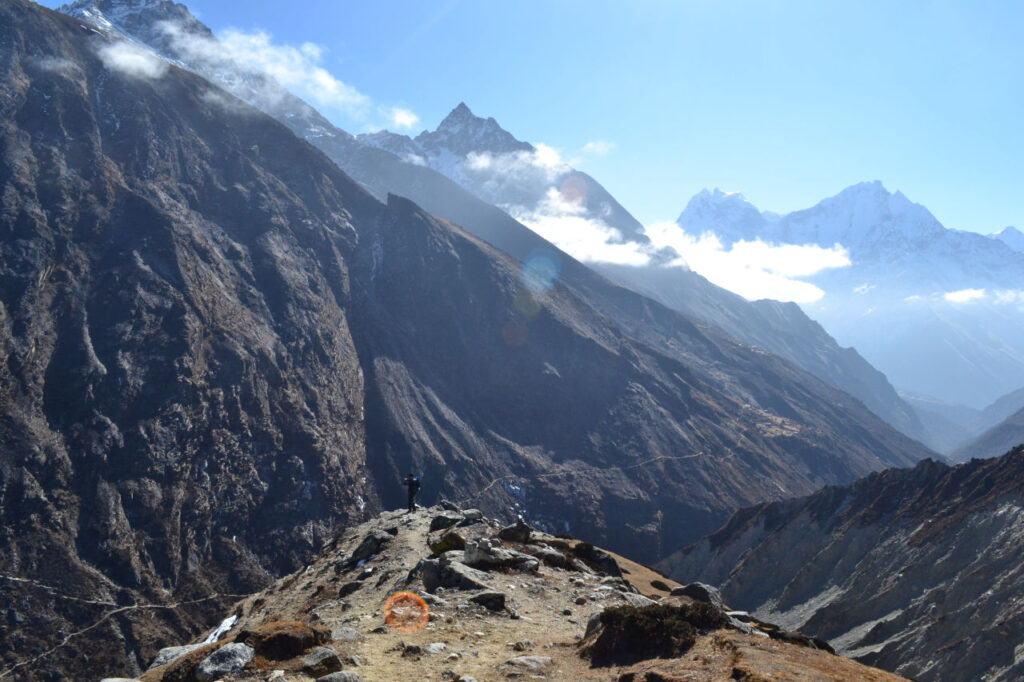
<point>406,612</point>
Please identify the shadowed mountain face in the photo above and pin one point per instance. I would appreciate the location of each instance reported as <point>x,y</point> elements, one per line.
<point>181,398</point>
<point>916,571</point>
<point>219,347</point>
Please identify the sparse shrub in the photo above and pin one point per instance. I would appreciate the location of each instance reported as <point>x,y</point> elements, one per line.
<point>630,634</point>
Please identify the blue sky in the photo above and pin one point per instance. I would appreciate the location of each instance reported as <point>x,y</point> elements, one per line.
<point>787,102</point>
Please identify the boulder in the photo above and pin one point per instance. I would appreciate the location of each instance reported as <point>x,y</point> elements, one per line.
<point>700,592</point>
<point>170,653</point>
<point>445,519</point>
<point>281,640</point>
<point>597,559</point>
<point>230,658</point>
<point>437,573</point>
<point>447,542</point>
<point>527,665</point>
<point>520,532</point>
<point>321,661</point>
<point>634,599</point>
<point>371,545</point>
<point>490,599</point>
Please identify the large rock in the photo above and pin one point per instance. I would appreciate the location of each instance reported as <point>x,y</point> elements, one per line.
<point>321,661</point>
<point>371,545</point>
<point>700,592</point>
<point>281,640</point>
<point>230,658</point>
<point>437,573</point>
<point>171,653</point>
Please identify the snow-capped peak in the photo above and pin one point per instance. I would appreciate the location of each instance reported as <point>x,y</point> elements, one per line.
<point>728,214</point>
<point>462,133</point>
<point>1010,236</point>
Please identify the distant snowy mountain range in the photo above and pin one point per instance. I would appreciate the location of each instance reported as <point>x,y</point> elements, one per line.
<point>940,311</point>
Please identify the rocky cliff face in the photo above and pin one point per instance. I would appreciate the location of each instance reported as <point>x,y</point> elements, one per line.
<point>219,347</point>
<point>181,396</point>
<point>915,571</point>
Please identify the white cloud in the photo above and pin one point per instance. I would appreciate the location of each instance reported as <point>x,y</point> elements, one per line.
<point>863,288</point>
<point>964,295</point>
<point>415,159</point>
<point>598,147</point>
<point>562,220</point>
<point>403,118</point>
<point>131,60</point>
<point>752,269</point>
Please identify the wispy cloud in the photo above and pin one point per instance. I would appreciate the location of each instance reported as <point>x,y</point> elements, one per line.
<point>131,60</point>
<point>598,147</point>
<point>752,269</point>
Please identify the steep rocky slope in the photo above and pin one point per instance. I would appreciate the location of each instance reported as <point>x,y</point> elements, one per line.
<point>430,168</point>
<point>481,602</point>
<point>219,347</point>
<point>1005,435</point>
<point>181,398</point>
<point>916,571</point>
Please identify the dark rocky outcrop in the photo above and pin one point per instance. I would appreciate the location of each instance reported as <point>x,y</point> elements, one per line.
<point>916,571</point>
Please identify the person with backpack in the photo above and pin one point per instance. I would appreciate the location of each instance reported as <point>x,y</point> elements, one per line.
<point>413,484</point>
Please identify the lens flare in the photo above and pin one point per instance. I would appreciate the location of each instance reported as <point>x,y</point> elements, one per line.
<point>406,612</point>
<point>541,270</point>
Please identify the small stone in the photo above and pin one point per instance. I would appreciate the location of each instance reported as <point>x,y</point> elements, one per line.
<point>523,645</point>
<point>580,601</point>
<point>412,650</point>
<point>566,612</point>
<point>435,647</point>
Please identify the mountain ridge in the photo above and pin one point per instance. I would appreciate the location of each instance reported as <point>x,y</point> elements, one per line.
<point>874,565</point>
